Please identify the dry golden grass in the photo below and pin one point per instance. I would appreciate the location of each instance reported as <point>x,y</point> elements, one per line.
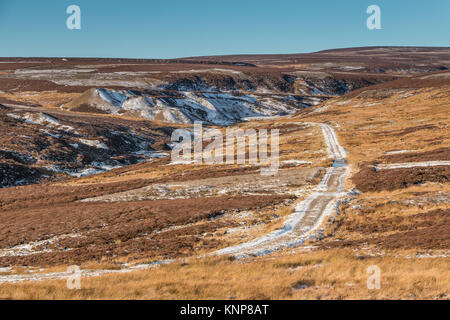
<point>331,274</point>
<point>47,99</point>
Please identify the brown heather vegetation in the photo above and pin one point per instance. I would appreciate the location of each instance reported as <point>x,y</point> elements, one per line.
<point>131,229</point>
<point>368,179</point>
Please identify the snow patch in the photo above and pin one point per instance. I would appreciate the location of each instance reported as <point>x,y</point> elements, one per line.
<point>411,165</point>
<point>94,143</point>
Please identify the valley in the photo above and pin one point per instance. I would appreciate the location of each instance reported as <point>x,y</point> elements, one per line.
<point>86,177</point>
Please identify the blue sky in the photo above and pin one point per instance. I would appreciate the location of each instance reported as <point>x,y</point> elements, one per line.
<point>172,28</point>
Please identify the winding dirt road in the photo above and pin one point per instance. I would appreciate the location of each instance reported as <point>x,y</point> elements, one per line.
<point>309,214</point>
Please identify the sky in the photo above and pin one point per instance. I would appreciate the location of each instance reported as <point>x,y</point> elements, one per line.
<point>184,28</point>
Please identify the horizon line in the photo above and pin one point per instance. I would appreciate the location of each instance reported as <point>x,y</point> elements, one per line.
<point>221,55</point>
